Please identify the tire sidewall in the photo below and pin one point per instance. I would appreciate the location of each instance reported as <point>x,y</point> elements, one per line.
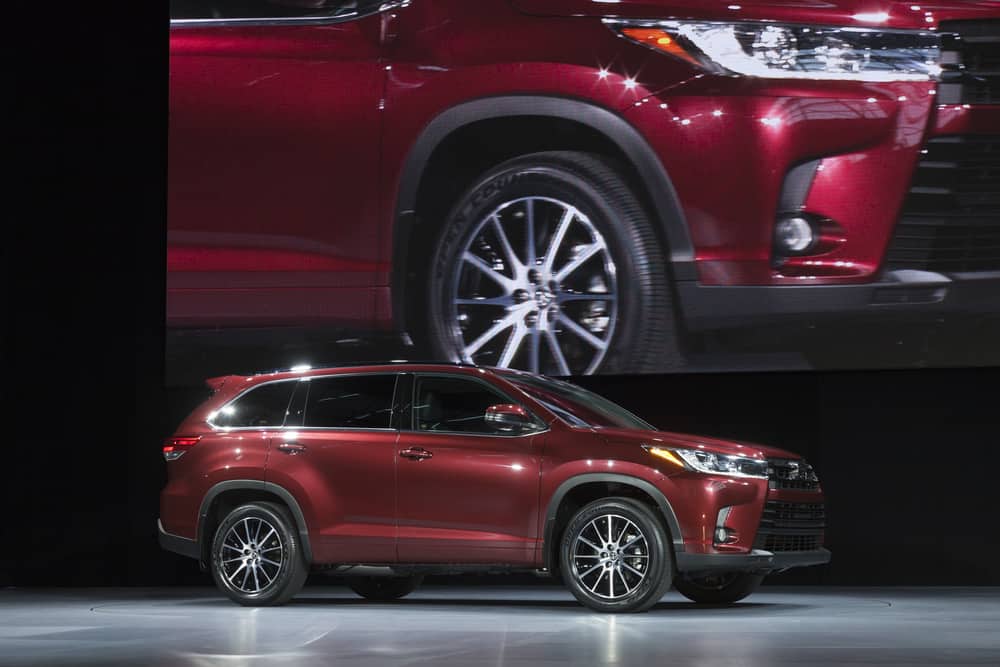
<point>660,567</point>
<point>290,554</point>
<point>539,178</point>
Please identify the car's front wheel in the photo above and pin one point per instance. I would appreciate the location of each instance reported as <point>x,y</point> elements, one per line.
<point>257,560</point>
<point>615,556</point>
<point>722,588</point>
<point>550,263</point>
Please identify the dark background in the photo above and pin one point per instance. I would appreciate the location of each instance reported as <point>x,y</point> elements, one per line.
<point>907,458</point>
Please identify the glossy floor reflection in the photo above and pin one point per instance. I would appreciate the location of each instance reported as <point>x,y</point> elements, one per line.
<point>523,626</point>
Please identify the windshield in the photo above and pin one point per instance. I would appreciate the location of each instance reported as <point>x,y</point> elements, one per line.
<point>576,405</point>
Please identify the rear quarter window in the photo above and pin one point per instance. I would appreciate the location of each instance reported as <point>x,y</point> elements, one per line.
<point>263,406</point>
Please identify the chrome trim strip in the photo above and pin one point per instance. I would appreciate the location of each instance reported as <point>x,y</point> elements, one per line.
<point>285,20</point>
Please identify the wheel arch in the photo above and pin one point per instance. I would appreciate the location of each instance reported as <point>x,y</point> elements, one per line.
<point>238,491</point>
<point>611,127</point>
<point>550,541</point>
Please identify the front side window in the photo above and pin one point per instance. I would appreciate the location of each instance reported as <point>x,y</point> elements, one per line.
<point>456,405</point>
<point>576,405</point>
<point>265,9</point>
<point>353,401</point>
<point>262,407</point>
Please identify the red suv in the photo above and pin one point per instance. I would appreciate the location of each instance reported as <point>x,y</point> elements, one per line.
<point>386,473</point>
<point>567,186</point>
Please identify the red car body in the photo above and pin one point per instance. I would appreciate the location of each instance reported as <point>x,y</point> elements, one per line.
<point>299,156</point>
<point>359,497</point>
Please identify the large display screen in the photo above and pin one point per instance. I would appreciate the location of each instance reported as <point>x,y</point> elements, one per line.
<point>575,188</point>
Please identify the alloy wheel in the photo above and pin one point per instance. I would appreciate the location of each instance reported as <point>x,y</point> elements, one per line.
<point>535,288</point>
<point>252,555</point>
<point>610,557</point>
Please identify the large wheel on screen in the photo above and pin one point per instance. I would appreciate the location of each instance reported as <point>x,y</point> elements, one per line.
<point>722,588</point>
<point>615,556</point>
<point>549,263</point>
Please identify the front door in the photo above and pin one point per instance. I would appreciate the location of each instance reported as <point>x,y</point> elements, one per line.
<point>273,149</point>
<point>467,493</point>
<point>337,455</point>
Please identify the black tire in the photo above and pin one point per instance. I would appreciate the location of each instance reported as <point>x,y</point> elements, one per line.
<point>657,573</point>
<point>384,589</point>
<point>644,336</point>
<point>286,579</point>
<point>723,588</point>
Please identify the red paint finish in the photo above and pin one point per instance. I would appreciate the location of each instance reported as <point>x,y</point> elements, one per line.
<point>383,496</point>
<point>288,144</point>
<point>344,481</point>
<point>273,152</point>
<point>475,501</point>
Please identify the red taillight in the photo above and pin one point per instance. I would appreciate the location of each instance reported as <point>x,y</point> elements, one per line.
<point>173,448</point>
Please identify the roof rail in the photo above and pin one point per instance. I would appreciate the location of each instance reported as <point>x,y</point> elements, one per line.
<point>356,364</point>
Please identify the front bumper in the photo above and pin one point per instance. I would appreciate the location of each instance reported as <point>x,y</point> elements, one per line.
<point>756,561</point>
<point>918,293</point>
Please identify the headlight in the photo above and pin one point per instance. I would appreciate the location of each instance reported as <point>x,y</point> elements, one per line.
<point>779,51</point>
<point>712,462</point>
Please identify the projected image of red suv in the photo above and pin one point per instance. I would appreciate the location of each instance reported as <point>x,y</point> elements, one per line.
<point>385,474</point>
<point>571,187</point>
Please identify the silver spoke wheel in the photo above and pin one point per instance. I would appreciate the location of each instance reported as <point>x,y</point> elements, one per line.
<point>252,555</point>
<point>535,288</point>
<point>610,557</point>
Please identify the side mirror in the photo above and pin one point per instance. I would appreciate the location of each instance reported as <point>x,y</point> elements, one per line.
<point>509,418</point>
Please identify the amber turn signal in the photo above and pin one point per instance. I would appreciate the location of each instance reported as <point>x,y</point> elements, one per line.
<point>660,40</point>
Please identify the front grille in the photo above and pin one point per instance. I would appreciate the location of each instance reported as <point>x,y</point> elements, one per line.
<point>786,526</point>
<point>791,474</point>
<point>951,217</point>
<point>970,60</point>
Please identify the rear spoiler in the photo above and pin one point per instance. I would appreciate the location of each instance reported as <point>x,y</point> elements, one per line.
<point>215,384</point>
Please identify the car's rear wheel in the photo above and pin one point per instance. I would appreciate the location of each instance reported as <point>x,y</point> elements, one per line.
<point>722,588</point>
<point>384,588</point>
<point>256,556</point>
<point>550,264</point>
<point>615,556</point>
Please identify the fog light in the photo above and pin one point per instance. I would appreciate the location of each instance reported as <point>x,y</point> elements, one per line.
<point>721,535</point>
<point>794,235</point>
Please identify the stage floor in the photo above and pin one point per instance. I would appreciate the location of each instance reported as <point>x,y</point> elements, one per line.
<point>492,625</point>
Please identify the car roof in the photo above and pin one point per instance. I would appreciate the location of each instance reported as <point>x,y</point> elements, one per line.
<point>394,366</point>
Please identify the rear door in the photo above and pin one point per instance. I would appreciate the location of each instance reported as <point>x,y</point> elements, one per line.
<point>467,493</point>
<point>337,456</point>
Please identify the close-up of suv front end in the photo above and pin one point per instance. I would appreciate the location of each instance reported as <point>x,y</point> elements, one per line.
<point>573,187</point>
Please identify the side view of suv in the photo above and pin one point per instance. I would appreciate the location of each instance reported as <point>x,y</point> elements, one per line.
<point>567,186</point>
<point>387,473</point>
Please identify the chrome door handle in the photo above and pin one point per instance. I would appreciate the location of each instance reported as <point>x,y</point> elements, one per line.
<point>291,448</point>
<point>415,453</point>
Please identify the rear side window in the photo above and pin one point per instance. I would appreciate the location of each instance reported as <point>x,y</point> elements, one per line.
<point>264,406</point>
<point>355,401</point>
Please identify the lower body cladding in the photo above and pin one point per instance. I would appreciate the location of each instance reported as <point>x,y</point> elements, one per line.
<point>899,293</point>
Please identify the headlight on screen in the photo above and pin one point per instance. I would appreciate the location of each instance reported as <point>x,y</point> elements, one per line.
<point>778,51</point>
<point>714,463</point>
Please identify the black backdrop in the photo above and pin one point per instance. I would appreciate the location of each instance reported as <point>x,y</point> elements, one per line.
<point>908,458</point>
